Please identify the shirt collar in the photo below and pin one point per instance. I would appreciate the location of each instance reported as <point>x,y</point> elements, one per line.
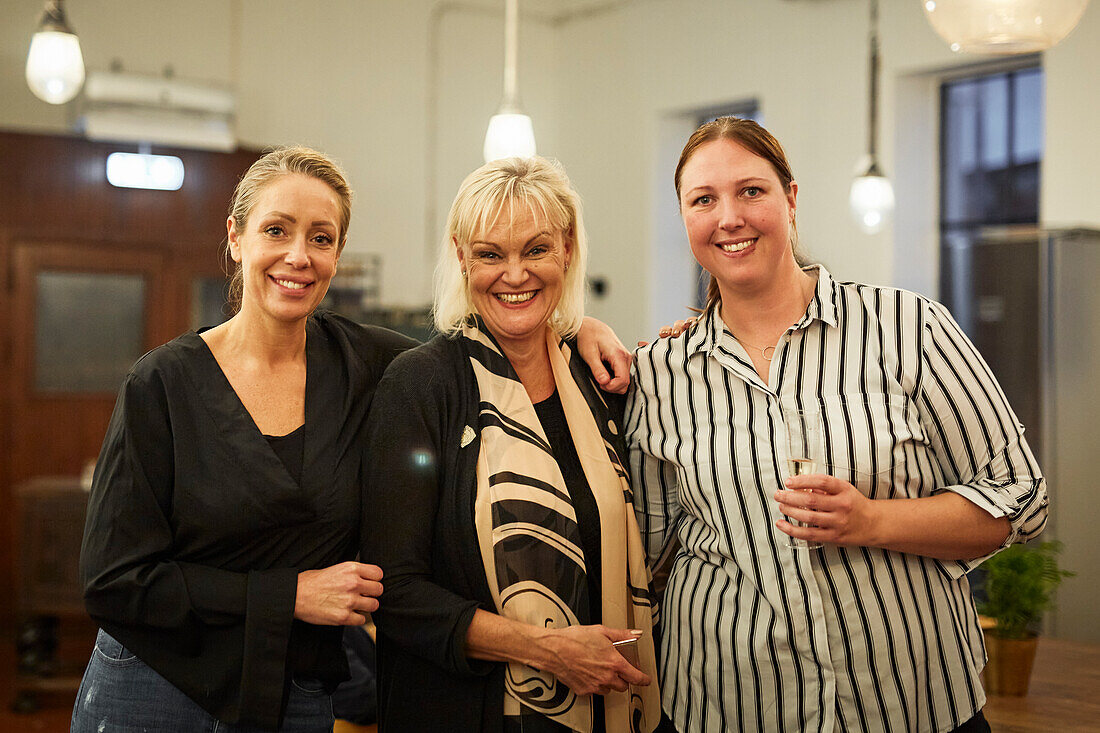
<point>823,306</point>
<point>707,333</point>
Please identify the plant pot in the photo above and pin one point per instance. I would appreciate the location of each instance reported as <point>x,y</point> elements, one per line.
<point>1009,669</point>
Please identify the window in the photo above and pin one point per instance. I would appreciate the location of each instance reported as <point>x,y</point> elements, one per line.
<point>991,151</point>
<point>85,342</point>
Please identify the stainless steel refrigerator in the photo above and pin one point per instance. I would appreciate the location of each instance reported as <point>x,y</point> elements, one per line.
<point>1030,301</point>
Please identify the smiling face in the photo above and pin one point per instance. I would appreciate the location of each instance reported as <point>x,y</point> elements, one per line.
<point>737,215</point>
<point>515,272</point>
<point>288,247</point>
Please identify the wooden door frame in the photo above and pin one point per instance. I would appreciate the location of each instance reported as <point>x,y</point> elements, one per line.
<point>7,495</point>
<point>23,258</point>
<point>30,257</point>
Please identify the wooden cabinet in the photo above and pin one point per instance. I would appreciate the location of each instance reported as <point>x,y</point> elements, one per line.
<point>49,527</point>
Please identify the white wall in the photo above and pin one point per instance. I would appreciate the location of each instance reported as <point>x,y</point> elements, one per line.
<point>804,63</point>
<point>916,64</point>
<point>353,82</point>
<point>1072,154</point>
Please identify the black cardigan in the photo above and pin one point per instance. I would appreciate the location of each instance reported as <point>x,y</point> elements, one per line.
<point>196,532</point>
<point>419,527</point>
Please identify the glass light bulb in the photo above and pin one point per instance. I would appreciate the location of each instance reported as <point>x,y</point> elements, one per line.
<point>1003,26</point>
<point>55,66</point>
<point>509,135</point>
<point>872,202</point>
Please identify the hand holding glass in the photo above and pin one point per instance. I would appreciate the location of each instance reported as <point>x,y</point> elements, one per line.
<point>804,456</point>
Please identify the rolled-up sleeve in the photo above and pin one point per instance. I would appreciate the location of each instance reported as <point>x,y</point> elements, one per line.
<point>974,434</point>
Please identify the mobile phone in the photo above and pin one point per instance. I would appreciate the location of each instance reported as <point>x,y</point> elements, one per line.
<point>629,649</point>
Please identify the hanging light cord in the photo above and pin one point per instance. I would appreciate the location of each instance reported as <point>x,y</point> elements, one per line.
<point>872,113</point>
<point>511,52</point>
<point>53,18</point>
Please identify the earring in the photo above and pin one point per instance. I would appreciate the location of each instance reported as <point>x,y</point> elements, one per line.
<point>463,273</point>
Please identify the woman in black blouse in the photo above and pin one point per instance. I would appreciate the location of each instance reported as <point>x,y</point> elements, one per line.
<point>225,509</point>
<point>223,518</point>
<point>498,504</point>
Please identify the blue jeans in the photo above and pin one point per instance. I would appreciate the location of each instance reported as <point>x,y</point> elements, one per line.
<point>120,693</point>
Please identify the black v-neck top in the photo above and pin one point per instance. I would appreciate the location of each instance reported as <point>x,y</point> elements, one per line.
<point>290,449</point>
<point>196,530</point>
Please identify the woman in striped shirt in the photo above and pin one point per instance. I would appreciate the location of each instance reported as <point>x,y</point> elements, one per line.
<point>926,474</point>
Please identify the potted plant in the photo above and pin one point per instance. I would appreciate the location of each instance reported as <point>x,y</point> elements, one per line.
<point>1019,587</point>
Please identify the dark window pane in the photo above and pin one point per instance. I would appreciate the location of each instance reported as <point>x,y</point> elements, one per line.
<point>89,328</point>
<point>960,143</point>
<point>991,149</point>
<point>1027,113</point>
<point>991,154</point>
<point>993,128</point>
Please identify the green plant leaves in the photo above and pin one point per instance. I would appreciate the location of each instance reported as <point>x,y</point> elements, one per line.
<point>1019,585</point>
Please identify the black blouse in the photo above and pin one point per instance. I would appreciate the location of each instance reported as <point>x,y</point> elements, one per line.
<point>196,531</point>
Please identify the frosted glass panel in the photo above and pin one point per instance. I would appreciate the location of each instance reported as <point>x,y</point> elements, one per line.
<point>208,301</point>
<point>89,328</point>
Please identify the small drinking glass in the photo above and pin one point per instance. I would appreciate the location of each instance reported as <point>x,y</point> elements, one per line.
<point>805,453</point>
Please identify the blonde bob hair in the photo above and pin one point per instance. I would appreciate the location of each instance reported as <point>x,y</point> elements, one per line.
<point>274,164</point>
<point>541,187</point>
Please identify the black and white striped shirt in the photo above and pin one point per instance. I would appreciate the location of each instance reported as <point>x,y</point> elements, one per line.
<point>760,637</point>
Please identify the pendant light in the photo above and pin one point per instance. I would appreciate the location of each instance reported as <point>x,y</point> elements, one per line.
<point>55,66</point>
<point>510,132</point>
<point>872,197</point>
<point>1003,26</point>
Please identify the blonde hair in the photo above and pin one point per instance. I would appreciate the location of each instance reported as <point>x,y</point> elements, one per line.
<point>274,164</point>
<point>542,187</point>
<point>759,142</point>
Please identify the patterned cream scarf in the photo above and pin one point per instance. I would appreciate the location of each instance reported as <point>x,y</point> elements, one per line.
<point>530,542</point>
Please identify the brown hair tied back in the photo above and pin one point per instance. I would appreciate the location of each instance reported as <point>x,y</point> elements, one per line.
<point>756,140</point>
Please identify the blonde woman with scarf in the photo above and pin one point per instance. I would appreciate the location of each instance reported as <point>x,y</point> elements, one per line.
<point>516,594</point>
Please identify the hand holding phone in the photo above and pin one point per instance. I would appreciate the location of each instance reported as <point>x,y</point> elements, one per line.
<point>629,649</point>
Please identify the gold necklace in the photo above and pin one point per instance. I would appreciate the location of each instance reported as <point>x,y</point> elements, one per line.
<point>766,352</point>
